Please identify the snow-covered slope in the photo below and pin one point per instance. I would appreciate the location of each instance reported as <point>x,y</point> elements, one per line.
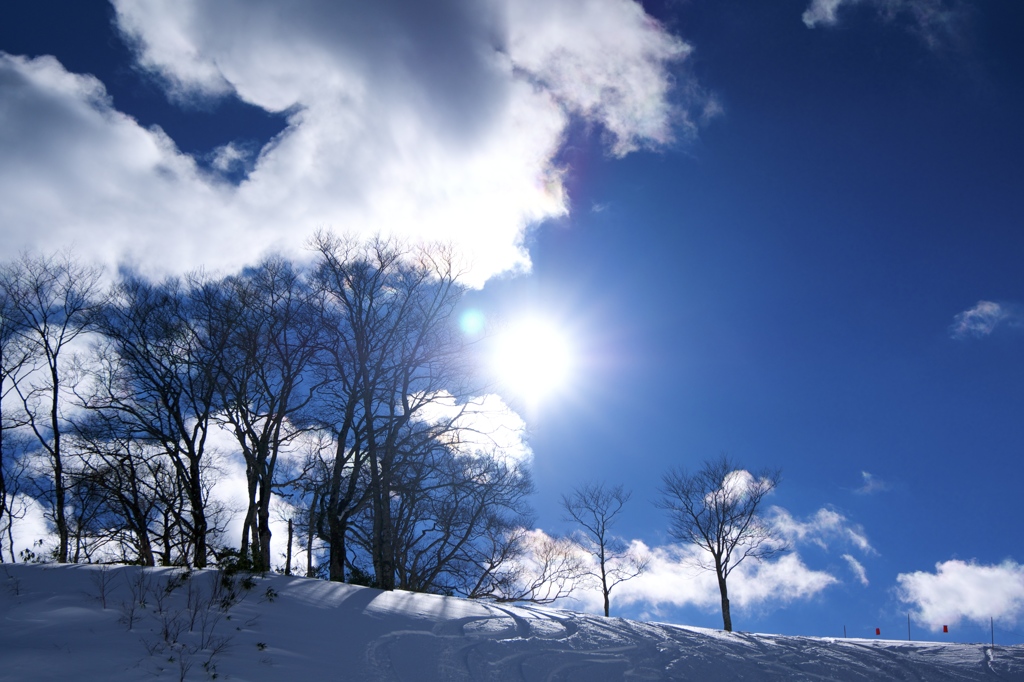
<point>123,623</point>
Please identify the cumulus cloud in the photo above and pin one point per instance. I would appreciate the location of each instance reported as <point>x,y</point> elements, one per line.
<point>964,590</point>
<point>871,484</point>
<point>936,22</point>
<point>672,579</point>
<point>621,88</point>
<point>439,121</point>
<point>74,170</point>
<point>826,527</point>
<point>983,319</point>
<point>676,577</point>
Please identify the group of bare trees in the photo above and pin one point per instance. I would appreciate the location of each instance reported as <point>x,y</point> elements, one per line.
<point>325,379</point>
<point>716,508</point>
<point>340,387</point>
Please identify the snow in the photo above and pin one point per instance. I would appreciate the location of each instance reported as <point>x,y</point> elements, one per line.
<point>60,622</point>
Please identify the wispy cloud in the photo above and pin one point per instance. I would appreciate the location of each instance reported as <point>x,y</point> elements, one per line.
<point>983,319</point>
<point>439,121</point>
<point>857,568</point>
<point>936,22</point>
<point>962,590</point>
<point>825,528</point>
<point>871,484</point>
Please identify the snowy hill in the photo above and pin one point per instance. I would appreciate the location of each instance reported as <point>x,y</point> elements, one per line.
<point>124,623</point>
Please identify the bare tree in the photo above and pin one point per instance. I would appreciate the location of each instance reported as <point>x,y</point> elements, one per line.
<point>15,477</point>
<point>48,301</point>
<point>716,508</point>
<point>267,378</point>
<point>12,359</point>
<point>595,508</point>
<point>445,512</point>
<point>127,474</point>
<point>393,351</point>
<point>162,386</point>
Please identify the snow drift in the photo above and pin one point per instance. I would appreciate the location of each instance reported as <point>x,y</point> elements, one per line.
<point>60,622</point>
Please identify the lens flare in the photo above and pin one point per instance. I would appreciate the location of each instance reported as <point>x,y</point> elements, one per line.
<point>472,322</point>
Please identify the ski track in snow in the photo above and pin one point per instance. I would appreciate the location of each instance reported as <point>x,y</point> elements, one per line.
<point>52,627</point>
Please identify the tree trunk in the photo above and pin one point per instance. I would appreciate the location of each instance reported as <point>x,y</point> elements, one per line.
<point>198,514</point>
<point>146,557</point>
<point>58,471</point>
<point>726,616</point>
<point>263,525</point>
<point>309,535</point>
<point>165,557</point>
<point>604,583</point>
<point>245,548</point>
<point>337,529</point>
<point>137,518</point>
<point>383,547</point>
<point>3,485</point>
<point>288,556</point>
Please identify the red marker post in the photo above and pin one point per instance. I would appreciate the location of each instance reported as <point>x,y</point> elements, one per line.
<point>945,628</point>
<point>878,631</point>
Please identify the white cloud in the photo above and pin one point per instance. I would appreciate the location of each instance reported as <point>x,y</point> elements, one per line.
<point>623,88</point>
<point>29,527</point>
<point>672,579</point>
<point>823,12</point>
<point>674,576</point>
<point>857,568</point>
<point>230,495</point>
<point>230,157</point>
<point>965,590</point>
<point>439,121</point>
<point>936,22</point>
<point>482,424</point>
<point>982,320</point>
<point>825,528</point>
<point>74,170</point>
<point>871,484</point>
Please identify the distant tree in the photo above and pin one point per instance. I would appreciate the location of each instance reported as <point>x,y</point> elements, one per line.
<point>595,508</point>
<point>717,508</point>
<point>530,566</point>
<point>48,302</point>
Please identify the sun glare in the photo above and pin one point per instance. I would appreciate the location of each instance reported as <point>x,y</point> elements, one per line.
<point>533,358</point>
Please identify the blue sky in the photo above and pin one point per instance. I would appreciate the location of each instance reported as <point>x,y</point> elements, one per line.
<point>788,231</point>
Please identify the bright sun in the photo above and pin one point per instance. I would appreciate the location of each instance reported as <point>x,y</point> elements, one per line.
<point>533,357</point>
